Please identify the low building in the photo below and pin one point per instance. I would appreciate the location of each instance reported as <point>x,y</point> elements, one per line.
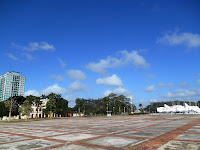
<point>38,112</point>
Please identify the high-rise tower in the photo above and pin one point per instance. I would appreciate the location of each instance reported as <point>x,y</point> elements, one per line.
<point>11,84</point>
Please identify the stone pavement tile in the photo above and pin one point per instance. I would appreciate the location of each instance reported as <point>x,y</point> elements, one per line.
<point>28,145</point>
<point>158,129</point>
<point>76,147</point>
<point>195,130</point>
<point>74,137</point>
<point>187,136</point>
<point>180,145</point>
<point>24,131</point>
<point>142,133</point>
<point>73,129</point>
<point>45,133</point>
<point>4,134</point>
<point>11,138</point>
<point>108,131</point>
<point>197,126</point>
<point>6,130</point>
<point>99,127</point>
<point>112,141</point>
<point>124,127</point>
<point>169,125</point>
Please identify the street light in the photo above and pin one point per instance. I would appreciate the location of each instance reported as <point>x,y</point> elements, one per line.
<point>107,109</point>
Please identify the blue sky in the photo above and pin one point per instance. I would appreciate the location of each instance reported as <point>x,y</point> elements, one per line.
<point>88,49</point>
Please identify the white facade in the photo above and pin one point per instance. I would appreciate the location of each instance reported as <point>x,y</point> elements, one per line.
<point>179,109</point>
<point>39,113</point>
<point>11,84</point>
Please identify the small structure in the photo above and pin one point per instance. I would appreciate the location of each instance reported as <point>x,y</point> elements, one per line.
<point>179,109</point>
<point>109,113</point>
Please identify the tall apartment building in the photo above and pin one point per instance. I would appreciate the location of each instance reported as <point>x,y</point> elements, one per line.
<point>11,84</point>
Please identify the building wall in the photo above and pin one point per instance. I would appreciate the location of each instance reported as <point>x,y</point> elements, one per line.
<point>38,113</point>
<point>11,84</point>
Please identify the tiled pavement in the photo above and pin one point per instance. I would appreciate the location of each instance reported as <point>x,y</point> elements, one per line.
<point>113,133</point>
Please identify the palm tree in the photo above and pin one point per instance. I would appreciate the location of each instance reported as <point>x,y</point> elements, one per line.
<point>37,103</point>
<point>43,96</point>
<point>51,105</point>
<point>140,105</point>
<point>25,108</point>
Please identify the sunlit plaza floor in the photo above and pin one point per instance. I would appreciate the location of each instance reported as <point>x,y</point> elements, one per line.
<point>113,133</point>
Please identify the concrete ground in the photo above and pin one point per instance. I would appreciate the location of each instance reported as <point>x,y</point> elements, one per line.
<point>113,133</point>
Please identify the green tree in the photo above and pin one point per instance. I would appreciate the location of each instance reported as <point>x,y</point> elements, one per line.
<point>43,96</point>
<point>51,105</point>
<point>25,108</point>
<point>140,105</point>
<point>10,104</point>
<point>3,110</point>
<point>30,98</point>
<point>61,106</point>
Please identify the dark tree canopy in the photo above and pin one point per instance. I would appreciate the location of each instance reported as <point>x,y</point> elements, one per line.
<point>3,109</point>
<point>112,102</point>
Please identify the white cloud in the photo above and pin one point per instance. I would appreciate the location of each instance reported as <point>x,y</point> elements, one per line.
<point>134,58</point>
<point>107,92</point>
<point>54,89</point>
<point>62,63</point>
<point>58,77</point>
<point>77,86</point>
<point>34,46</point>
<point>32,92</point>
<point>11,56</point>
<point>182,93</point>
<point>198,82</point>
<point>113,80</point>
<point>71,99</point>
<point>29,57</point>
<point>150,76</point>
<point>121,90</point>
<point>76,74</point>
<point>184,84</point>
<point>125,58</point>
<point>169,85</point>
<point>185,38</point>
<point>118,91</point>
<point>150,88</point>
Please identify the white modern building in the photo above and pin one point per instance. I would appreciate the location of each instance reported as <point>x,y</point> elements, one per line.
<point>11,84</point>
<point>179,109</point>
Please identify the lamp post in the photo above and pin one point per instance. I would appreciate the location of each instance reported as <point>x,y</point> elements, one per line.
<point>107,109</point>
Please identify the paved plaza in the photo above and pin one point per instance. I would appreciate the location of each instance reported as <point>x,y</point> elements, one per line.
<point>138,132</point>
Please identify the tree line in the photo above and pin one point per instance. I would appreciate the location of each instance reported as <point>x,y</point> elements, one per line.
<point>17,105</point>
<point>115,104</point>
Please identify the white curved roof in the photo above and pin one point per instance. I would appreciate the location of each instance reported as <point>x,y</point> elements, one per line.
<point>178,108</point>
